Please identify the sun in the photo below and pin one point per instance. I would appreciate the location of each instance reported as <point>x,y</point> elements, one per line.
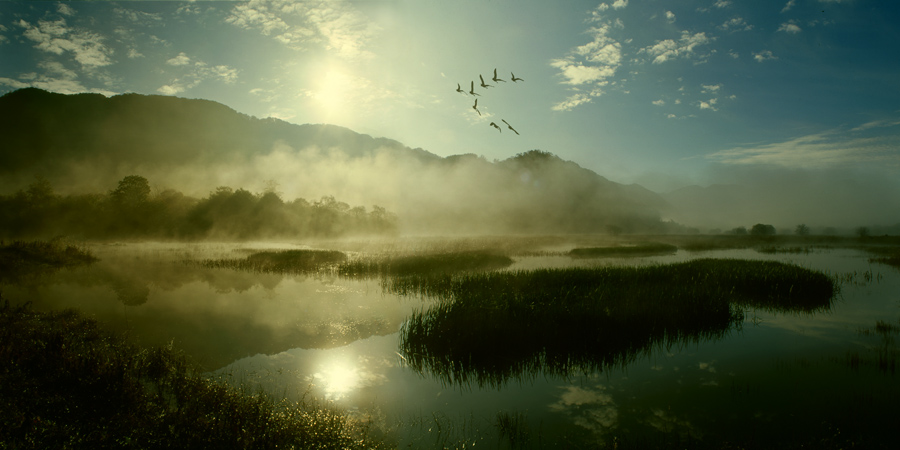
<point>338,377</point>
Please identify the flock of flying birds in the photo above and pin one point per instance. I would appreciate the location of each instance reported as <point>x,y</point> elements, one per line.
<point>485,86</point>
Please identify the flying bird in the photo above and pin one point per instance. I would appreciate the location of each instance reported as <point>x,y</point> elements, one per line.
<point>508,125</point>
<point>472,89</point>
<point>515,79</point>
<point>496,126</point>
<point>459,89</point>
<point>482,82</point>
<point>495,77</point>
<point>475,107</point>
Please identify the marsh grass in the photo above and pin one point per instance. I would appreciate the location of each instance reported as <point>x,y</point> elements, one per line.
<point>66,384</point>
<point>495,326</point>
<point>280,261</point>
<point>20,259</point>
<point>645,249</point>
<point>513,426</point>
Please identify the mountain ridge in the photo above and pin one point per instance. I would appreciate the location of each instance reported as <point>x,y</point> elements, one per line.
<point>90,141</point>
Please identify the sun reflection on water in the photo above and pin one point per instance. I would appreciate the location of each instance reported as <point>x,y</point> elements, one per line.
<point>338,377</point>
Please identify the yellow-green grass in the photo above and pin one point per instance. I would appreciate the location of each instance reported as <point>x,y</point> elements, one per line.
<point>66,384</point>
<point>494,326</point>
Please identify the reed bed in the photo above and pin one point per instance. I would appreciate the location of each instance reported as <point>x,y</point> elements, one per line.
<point>280,261</point>
<point>66,384</point>
<point>647,249</point>
<point>26,258</point>
<point>434,264</point>
<point>495,326</point>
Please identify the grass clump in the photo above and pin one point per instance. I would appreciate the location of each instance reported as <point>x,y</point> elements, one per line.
<point>495,326</point>
<point>66,384</point>
<point>23,258</point>
<point>649,249</point>
<point>426,264</point>
<point>281,261</point>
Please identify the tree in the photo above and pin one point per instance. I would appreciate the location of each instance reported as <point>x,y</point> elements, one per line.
<point>802,230</point>
<point>863,232</point>
<point>762,229</point>
<point>740,231</point>
<point>133,190</point>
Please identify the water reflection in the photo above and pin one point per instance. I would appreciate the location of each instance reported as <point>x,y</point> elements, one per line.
<point>216,316</point>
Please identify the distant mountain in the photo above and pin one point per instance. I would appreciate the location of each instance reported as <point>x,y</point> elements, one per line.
<point>87,142</point>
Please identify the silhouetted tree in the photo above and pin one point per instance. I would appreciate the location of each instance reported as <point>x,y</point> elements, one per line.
<point>133,190</point>
<point>862,232</point>
<point>761,229</point>
<point>740,231</point>
<point>802,230</point>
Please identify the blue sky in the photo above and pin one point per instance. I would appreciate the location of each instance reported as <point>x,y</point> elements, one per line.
<point>662,93</point>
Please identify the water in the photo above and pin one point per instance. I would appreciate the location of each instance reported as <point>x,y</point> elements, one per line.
<point>780,376</point>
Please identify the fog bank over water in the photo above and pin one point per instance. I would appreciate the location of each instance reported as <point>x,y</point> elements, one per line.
<point>786,197</point>
<point>86,143</point>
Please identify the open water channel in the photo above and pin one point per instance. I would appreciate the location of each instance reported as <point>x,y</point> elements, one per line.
<point>778,377</point>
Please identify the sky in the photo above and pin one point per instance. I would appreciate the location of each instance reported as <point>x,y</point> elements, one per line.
<point>664,93</point>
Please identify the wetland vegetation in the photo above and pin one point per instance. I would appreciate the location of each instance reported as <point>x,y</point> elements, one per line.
<point>497,326</point>
<point>65,383</point>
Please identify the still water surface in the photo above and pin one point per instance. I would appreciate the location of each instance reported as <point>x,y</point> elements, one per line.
<point>778,376</point>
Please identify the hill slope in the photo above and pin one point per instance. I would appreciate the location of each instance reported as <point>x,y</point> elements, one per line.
<point>87,142</point>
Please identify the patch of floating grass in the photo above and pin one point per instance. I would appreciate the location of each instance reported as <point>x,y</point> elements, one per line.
<point>66,384</point>
<point>280,261</point>
<point>24,258</point>
<point>494,326</point>
<point>649,249</point>
<point>426,264</point>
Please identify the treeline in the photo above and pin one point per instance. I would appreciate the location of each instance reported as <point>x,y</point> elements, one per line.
<point>132,211</point>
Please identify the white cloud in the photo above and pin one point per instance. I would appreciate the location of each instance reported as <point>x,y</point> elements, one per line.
<point>787,7</point>
<point>789,27</point>
<point>722,4</point>
<point>707,88</point>
<point>55,37</point>
<point>659,102</point>
<point>592,64</point>
<point>574,100</point>
<point>764,55</point>
<point>65,9</point>
<point>180,60</point>
<point>669,49</point>
<point>709,104</point>
<point>133,53</point>
<point>195,72</point>
<point>670,17</point>
<point>736,24</point>
<point>619,4</point>
<point>825,149</point>
<point>337,25</point>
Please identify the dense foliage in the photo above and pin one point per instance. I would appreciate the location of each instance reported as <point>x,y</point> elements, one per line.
<point>66,384</point>
<point>131,210</point>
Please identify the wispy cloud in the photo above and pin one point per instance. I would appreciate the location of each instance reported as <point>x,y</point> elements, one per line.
<point>670,17</point>
<point>736,24</point>
<point>588,68</point>
<point>788,6</point>
<point>335,25</point>
<point>195,72</point>
<point>57,38</point>
<point>764,55</point>
<point>827,149</point>
<point>789,27</point>
<point>669,49</point>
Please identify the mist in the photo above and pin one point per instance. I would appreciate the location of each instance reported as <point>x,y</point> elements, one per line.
<point>843,198</point>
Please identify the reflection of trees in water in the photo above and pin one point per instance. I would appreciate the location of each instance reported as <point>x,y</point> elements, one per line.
<point>501,326</point>
<point>131,292</point>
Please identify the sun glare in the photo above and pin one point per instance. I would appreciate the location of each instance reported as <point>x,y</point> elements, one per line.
<point>333,93</point>
<point>338,377</point>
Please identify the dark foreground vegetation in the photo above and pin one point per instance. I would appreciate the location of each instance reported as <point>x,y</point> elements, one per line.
<point>132,211</point>
<point>496,326</point>
<point>24,258</point>
<point>306,261</point>
<point>66,384</point>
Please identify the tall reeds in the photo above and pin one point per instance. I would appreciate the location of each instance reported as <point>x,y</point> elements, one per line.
<point>66,384</point>
<point>494,326</point>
